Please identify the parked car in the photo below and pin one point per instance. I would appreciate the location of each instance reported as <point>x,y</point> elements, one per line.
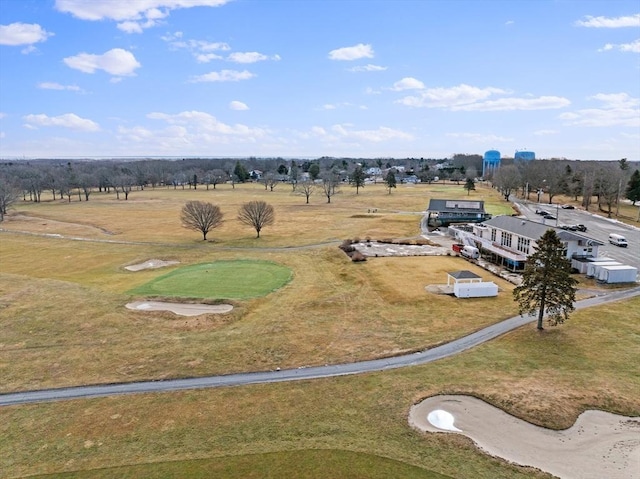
<point>549,216</point>
<point>567,207</point>
<point>541,212</point>
<point>582,228</point>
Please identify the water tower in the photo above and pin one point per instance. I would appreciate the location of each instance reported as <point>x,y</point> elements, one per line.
<point>524,155</point>
<point>490,162</point>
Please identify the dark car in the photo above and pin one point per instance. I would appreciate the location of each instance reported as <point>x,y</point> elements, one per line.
<point>541,212</point>
<point>549,216</point>
<point>567,207</point>
<point>582,228</point>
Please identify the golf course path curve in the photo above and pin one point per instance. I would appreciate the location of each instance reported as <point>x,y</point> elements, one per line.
<point>302,373</point>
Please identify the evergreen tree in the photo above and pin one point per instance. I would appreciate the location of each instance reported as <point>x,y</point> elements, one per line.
<point>633,187</point>
<point>314,171</point>
<point>241,172</point>
<point>469,185</point>
<point>390,180</point>
<point>547,285</point>
<point>357,178</point>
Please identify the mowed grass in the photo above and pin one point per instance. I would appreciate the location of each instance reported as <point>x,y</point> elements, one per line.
<point>546,378</point>
<point>64,323</point>
<point>309,464</point>
<point>238,279</point>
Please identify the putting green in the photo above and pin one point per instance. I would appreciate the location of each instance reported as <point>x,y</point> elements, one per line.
<point>238,279</point>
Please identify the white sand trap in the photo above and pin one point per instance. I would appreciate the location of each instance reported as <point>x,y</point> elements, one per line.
<point>150,264</point>
<point>183,309</point>
<point>599,445</point>
<point>442,420</point>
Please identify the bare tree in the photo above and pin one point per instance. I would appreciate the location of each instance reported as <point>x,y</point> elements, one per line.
<point>507,179</point>
<point>256,214</point>
<point>201,216</point>
<point>329,185</point>
<point>8,196</point>
<point>306,189</point>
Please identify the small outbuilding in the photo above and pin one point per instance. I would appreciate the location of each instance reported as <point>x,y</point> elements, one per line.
<point>467,284</point>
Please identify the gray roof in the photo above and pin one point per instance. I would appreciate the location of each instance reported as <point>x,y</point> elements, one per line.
<point>534,230</point>
<point>464,274</point>
<point>470,206</point>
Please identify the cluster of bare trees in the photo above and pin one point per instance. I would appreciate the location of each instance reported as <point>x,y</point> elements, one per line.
<point>607,182</point>
<point>202,216</point>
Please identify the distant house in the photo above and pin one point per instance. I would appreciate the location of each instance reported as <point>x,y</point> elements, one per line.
<point>508,241</point>
<point>446,212</point>
<point>255,175</point>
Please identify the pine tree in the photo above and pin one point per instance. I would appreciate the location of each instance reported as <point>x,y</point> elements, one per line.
<point>633,187</point>
<point>390,181</point>
<point>547,285</point>
<point>357,178</point>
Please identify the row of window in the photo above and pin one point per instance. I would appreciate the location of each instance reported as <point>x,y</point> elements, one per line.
<point>506,239</point>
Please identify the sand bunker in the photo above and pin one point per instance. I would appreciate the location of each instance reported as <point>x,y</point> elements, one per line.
<point>598,445</point>
<point>183,309</point>
<point>151,264</point>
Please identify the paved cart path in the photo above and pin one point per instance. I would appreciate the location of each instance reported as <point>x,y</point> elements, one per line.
<point>303,373</point>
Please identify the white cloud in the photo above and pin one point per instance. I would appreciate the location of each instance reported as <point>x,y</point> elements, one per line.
<point>189,130</point>
<point>378,135</point>
<point>57,86</point>
<point>618,109</point>
<point>134,16</point>
<point>368,68</point>
<point>115,62</point>
<point>247,57</point>
<point>545,132</point>
<point>22,34</point>
<point>352,53</point>
<point>2,115</point>
<point>469,98</point>
<point>633,47</point>
<point>481,138</point>
<point>207,57</point>
<point>238,105</point>
<point>329,106</point>
<point>223,76</point>
<point>203,51</point>
<point>509,104</point>
<point>449,97</point>
<point>610,22</point>
<point>408,83</point>
<point>68,120</point>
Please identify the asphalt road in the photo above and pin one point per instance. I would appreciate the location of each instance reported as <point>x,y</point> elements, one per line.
<point>316,372</point>
<point>598,228</point>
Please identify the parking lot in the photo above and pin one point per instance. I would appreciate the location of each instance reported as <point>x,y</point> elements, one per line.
<point>598,228</point>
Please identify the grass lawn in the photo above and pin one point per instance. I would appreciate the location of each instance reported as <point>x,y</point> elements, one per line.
<point>237,279</point>
<point>64,323</point>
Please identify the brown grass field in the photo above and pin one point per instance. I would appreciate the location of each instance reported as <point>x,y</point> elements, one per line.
<point>64,323</point>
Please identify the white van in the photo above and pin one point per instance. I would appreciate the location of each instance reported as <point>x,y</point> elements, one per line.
<point>470,252</point>
<point>618,240</point>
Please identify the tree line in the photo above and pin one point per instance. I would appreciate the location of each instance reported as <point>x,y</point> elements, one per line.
<point>77,180</point>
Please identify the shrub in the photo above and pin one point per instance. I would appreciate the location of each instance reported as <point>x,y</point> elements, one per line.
<point>357,256</point>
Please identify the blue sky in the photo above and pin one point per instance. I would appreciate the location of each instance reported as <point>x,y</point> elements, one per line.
<point>311,78</point>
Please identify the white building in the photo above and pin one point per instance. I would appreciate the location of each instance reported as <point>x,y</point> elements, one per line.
<point>509,240</point>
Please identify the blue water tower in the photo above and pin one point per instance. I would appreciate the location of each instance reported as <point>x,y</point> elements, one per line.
<point>524,155</point>
<point>490,162</point>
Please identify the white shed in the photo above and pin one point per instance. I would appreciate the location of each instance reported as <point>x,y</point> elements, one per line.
<point>593,270</point>
<point>618,274</point>
<point>469,285</point>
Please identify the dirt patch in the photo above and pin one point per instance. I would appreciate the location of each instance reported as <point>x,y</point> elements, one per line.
<point>182,309</point>
<point>150,264</point>
<point>598,445</point>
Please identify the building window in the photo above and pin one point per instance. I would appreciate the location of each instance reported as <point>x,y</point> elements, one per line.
<point>506,239</point>
<point>493,234</point>
<point>523,244</point>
